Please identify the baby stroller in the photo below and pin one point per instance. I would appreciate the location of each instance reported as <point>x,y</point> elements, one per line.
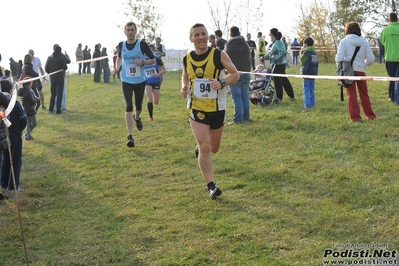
<point>265,93</point>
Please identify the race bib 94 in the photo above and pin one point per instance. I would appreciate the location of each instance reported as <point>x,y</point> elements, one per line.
<point>202,89</point>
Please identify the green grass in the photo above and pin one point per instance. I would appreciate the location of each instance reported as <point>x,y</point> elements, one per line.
<point>293,183</point>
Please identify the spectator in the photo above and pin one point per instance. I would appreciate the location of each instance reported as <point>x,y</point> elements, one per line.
<point>105,65</point>
<point>86,56</point>
<point>90,64</point>
<point>18,121</point>
<point>286,49</point>
<point>220,42</point>
<point>252,47</point>
<point>160,50</point>
<point>381,51</point>
<point>79,57</point>
<point>114,58</point>
<point>276,55</point>
<point>97,63</point>
<point>27,71</point>
<point>64,91</point>
<point>7,75</point>
<point>20,65</point>
<point>37,85</point>
<point>56,62</point>
<point>212,41</point>
<point>364,57</point>
<point>259,77</point>
<point>14,67</point>
<point>239,53</point>
<point>29,103</point>
<point>295,48</point>
<point>262,43</point>
<point>390,40</point>
<point>309,66</point>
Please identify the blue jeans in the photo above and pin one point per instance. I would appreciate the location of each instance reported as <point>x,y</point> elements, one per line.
<point>239,94</point>
<point>107,74</point>
<point>308,93</point>
<point>393,88</point>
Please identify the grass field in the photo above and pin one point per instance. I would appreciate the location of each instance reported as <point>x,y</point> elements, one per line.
<point>294,183</point>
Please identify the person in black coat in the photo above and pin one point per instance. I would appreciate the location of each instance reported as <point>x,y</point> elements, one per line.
<point>14,67</point>
<point>29,102</point>
<point>97,64</point>
<point>18,120</point>
<point>56,62</point>
<point>27,71</point>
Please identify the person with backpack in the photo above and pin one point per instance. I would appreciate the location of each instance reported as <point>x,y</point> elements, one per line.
<point>363,58</point>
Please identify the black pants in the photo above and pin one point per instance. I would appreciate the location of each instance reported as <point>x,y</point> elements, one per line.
<point>57,89</point>
<point>280,82</point>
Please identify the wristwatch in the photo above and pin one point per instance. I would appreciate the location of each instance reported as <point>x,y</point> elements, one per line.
<point>222,82</point>
<point>142,61</point>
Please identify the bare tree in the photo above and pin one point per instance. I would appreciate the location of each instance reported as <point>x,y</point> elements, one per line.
<point>244,14</point>
<point>144,14</point>
<point>220,14</point>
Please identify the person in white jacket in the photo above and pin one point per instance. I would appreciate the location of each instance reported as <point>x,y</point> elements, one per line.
<point>364,57</point>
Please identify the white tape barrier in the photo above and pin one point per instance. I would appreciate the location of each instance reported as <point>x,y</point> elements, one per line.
<point>91,60</point>
<point>26,80</point>
<point>324,48</point>
<point>52,73</point>
<point>326,77</point>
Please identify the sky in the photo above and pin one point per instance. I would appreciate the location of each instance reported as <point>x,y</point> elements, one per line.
<point>43,23</point>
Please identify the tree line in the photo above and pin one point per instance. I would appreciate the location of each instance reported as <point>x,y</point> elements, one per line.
<point>324,23</point>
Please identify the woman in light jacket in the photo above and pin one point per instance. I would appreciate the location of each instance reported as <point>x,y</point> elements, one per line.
<point>364,57</point>
<point>277,55</point>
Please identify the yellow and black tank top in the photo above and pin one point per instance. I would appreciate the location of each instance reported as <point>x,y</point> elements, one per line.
<point>201,68</point>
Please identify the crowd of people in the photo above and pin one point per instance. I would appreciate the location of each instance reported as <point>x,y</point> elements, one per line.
<point>212,70</point>
<point>30,92</point>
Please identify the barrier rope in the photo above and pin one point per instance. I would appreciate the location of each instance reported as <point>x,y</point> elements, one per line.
<point>367,78</point>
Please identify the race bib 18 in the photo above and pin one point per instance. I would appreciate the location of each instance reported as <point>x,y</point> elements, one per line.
<point>132,71</point>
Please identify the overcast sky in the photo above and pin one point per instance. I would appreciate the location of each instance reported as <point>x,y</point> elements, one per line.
<point>41,23</point>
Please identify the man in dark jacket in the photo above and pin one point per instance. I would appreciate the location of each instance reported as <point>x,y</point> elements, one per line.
<point>97,64</point>
<point>54,63</point>
<point>240,55</point>
<point>14,67</point>
<point>86,65</point>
